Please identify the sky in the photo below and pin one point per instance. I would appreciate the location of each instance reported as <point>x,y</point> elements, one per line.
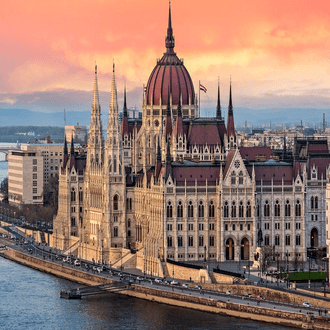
<point>276,52</point>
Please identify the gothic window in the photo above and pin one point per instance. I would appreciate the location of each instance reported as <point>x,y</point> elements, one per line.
<point>312,202</point>
<point>115,164</point>
<point>81,196</point>
<point>180,241</point>
<point>316,203</point>
<point>240,178</point>
<point>233,177</point>
<point>233,209</point>
<point>169,241</point>
<point>211,210</point>
<point>297,239</point>
<point>241,210</point>
<point>73,195</point>
<point>129,233</point>
<point>298,208</point>
<point>266,239</point>
<point>115,232</point>
<point>258,210</point>
<point>266,209</point>
<point>287,209</point>
<point>190,210</point>
<point>191,241</point>
<point>225,210</point>
<point>211,240</point>
<point>287,240</point>
<point>248,209</point>
<point>277,209</point>
<point>277,239</point>
<point>180,210</point>
<point>201,210</point>
<point>234,227</point>
<point>169,212</point>
<point>115,203</point>
<point>149,141</point>
<point>201,241</point>
<point>128,223</point>
<point>73,222</point>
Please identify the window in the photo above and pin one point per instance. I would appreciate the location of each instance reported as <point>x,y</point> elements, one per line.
<point>287,240</point>
<point>34,190</point>
<point>287,225</point>
<point>201,210</point>
<point>115,218</point>
<point>115,232</point>
<point>200,226</point>
<point>73,209</point>
<point>287,209</point>
<point>233,177</point>
<point>315,217</point>
<point>258,210</point>
<point>312,217</point>
<point>249,226</point>
<point>240,178</point>
<point>115,203</point>
<point>240,227</point>
<point>241,210</point>
<point>81,196</point>
<point>312,202</point>
<point>35,161</point>
<point>34,169</point>
<point>211,240</point>
<point>35,183</point>
<point>169,227</point>
<point>248,210</point>
<point>277,240</point>
<point>226,227</point>
<point>129,233</point>
<point>73,195</point>
<point>298,209</point>
<point>266,225</point>
<point>34,176</point>
<point>211,226</point>
<point>297,225</point>
<point>233,210</point>
<point>234,227</point>
<point>266,239</point>
<point>190,226</point>
<point>191,241</point>
<point>180,226</point>
<point>297,239</point>
<point>129,223</point>
<point>169,241</point>
<point>316,202</point>
<point>211,210</point>
<point>51,168</point>
<point>277,209</point>
<point>190,210</point>
<point>180,241</point>
<point>201,241</point>
<point>266,209</point>
<point>277,225</point>
<point>180,210</point>
<point>80,209</point>
<point>225,210</point>
<point>169,212</point>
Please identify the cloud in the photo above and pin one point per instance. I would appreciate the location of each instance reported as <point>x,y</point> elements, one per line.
<point>8,100</point>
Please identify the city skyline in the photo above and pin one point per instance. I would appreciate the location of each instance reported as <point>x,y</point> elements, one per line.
<point>275,52</point>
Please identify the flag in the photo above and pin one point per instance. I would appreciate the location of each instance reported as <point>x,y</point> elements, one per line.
<point>202,88</point>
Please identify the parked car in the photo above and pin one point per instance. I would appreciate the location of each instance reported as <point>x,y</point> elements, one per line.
<point>99,269</point>
<point>158,280</point>
<point>174,282</point>
<point>77,263</point>
<point>228,293</point>
<point>87,266</point>
<point>120,274</point>
<point>166,282</point>
<point>104,268</point>
<point>260,297</point>
<point>186,285</point>
<point>198,287</point>
<point>139,278</point>
<point>248,295</point>
<point>307,304</point>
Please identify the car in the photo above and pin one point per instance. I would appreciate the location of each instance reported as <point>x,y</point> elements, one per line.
<point>99,270</point>
<point>198,287</point>
<point>87,266</point>
<point>139,278</point>
<point>174,282</point>
<point>248,295</point>
<point>77,263</point>
<point>228,293</point>
<point>166,282</point>
<point>120,274</point>
<point>104,268</point>
<point>260,297</point>
<point>94,268</point>
<point>185,285</point>
<point>307,304</point>
<point>158,280</point>
<point>111,273</point>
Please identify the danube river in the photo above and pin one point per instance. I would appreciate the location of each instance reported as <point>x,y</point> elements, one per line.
<point>30,299</point>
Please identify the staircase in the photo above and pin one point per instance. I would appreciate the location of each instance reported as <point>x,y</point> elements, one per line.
<point>125,261</point>
<point>73,249</point>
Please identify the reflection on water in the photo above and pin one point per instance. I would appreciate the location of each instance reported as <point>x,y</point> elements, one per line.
<point>31,300</point>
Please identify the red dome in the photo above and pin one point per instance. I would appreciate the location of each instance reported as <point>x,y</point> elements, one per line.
<point>170,74</point>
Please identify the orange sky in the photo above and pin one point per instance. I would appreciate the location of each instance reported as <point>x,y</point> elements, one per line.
<point>276,51</point>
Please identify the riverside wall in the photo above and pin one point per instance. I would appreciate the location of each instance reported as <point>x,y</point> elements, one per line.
<point>202,303</point>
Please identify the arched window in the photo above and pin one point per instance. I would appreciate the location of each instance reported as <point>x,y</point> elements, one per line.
<point>277,239</point>
<point>266,239</point>
<point>190,210</point>
<point>233,209</point>
<point>277,209</point>
<point>201,241</point>
<point>201,210</point>
<point>169,210</point>
<point>241,210</point>
<point>248,209</point>
<point>258,210</point>
<point>129,233</point>
<point>316,202</point>
<point>180,210</point>
<point>233,177</point>
<point>287,209</point>
<point>81,196</point>
<point>180,241</point>
<point>287,240</point>
<point>312,202</point>
<point>211,210</point>
<point>240,178</point>
<point>298,208</point>
<point>115,203</point>
<point>73,195</point>
<point>128,223</point>
<point>266,209</point>
<point>115,232</point>
<point>225,210</point>
<point>169,241</point>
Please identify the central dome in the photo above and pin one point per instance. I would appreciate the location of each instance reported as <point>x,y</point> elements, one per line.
<point>170,76</point>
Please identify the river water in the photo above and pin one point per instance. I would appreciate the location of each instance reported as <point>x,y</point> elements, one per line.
<point>30,299</point>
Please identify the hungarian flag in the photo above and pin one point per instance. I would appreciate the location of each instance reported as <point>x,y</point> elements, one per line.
<point>202,88</point>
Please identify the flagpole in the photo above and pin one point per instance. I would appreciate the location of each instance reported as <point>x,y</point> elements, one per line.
<point>199,98</point>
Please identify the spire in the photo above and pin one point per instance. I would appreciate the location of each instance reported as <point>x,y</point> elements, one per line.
<point>124,123</point>
<point>169,40</point>
<point>65,152</point>
<point>230,119</point>
<point>96,101</point>
<point>218,104</point>
<point>113,102</point>
<point>168,129</point>
<point>125,105</point>
<point>72,146</point>
<point>159,154</point>
<point>230,107</point>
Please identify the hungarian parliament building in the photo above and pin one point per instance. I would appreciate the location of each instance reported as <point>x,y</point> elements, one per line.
<point>177,186</point>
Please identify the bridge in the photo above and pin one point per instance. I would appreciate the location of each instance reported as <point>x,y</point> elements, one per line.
<point>93,290</point>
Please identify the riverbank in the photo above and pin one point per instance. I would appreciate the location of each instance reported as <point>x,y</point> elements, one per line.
<point>202,303</point>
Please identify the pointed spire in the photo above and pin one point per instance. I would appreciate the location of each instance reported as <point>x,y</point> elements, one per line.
<point>230,107</point>
<point>230,119</point>
<point>65,153</point>
<point>125,105</point>
<point>169,40</point>
<point>96,101</point>
<point>72,146</point>
<point>218,104</point>
<point>124,123</point>
<point>159,154</point>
